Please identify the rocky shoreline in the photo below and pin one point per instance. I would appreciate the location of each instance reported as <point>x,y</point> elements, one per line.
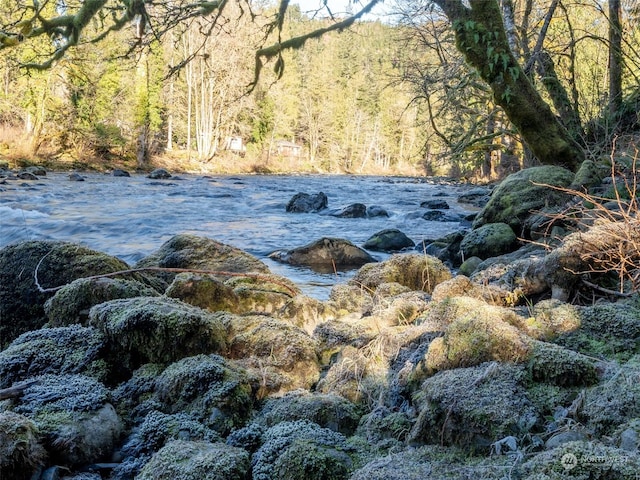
<point>199,363</point>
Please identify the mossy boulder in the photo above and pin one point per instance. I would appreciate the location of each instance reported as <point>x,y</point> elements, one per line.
<point>302,450</point>
<point>191,460</point>
<point>473,407</point>
<point>156,330</point>
<point>606,330</point>
<point>551,319</point>
<point>21,454</point>
<point>57,263</point>
<point>78,423</point>
<point>325,255</point>
<point>211,389</point>
<point>63,350</point>
<point>200,253</point>
<point>306,312</point>
<point>489,240</point>
<point>278,355</point>
<point>462,286</point>
<point>156,430</point>
<point>581,460</point>
<point>383,424</point>
<point>266,293</point>
<point>71,304</point>
<point>134,398</point>
<point>523,192</point>
<point>615,401</point>
<point>551,363</point>
<point>417,272</point>
<point>589,175</point>
<point>388,240</point>
<point>328,411</point>
<point>433,462</point>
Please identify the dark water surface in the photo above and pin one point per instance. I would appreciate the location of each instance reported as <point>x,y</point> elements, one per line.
<point>131,217</point>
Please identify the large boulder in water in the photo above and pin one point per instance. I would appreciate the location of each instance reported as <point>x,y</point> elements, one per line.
<point>305,203</point>
<point>523,192</point>
<point>389,240</point>
<point>57,264</point>
<point>185,251</point>
<point>325,254</point>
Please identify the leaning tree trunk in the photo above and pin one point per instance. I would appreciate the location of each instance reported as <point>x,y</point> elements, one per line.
<point>481,38</point>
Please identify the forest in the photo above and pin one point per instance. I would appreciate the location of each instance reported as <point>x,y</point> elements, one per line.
<point>473,90</point>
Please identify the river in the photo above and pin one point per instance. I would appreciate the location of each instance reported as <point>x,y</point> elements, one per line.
<point>130,217</point>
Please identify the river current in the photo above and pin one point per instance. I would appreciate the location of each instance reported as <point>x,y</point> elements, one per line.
<point>130,217</point>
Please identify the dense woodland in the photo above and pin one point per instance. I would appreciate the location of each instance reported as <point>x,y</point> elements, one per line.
<point>431,87</point>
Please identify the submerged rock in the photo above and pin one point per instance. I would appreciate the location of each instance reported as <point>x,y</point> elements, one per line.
<point>389,240</point>
<point>325,254</point>
<point>355,210</point>
<point>306,203</point>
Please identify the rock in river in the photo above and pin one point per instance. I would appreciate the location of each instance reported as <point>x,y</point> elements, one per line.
<point>325,254</point>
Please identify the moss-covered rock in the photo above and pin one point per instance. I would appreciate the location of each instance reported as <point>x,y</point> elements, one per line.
<point>462,286</point>
<point>609,330</point>
<point>417,272</point>
<point>489,240</point>
<point>134,398</point>
<point>589,175</point>
<point>200,253</point>
<point>552,318</point>
<point>325,255</point>
<point>266,293</point>
<point>473,407</point>
<point>71,304</point>
<point>433,463</point>
<point>182,459</point>
<point>57,263</point>
<point>560,366</point>
<point>523,192</point>
<point>73,412</point>
<point>328,411</point>
<point>615,401</point>
<point>333,335</point>
<point>279,356</point>
<point>156,430</point>
<point>388,240</point>
<point>581,460</point>
<point>383,424</point>
<point>306,312</point>
<point>62,350</point>
<point>211,389</point>
<point>156,330</point>
<point>21,453</point>
<point>469,266</point>
<point>302,450</point>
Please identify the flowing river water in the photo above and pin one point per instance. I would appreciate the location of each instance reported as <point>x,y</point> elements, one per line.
<point>130,217</point>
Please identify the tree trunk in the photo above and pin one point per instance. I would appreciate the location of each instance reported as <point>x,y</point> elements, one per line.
<point>615,59</point>
<point>481,38</point>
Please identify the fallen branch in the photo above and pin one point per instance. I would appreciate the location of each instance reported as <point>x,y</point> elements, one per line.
<point>16,390</point>
<point>257,276</point>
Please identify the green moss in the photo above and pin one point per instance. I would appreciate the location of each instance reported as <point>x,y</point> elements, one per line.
<point>581,461</point>
<point>417,272</point>
<point>523,192</point>
<point>59,263</point>
<point>473,407</point>
<point>302,451</point>
<point>560,366</point>
<point>71,304</point>
<point>64,350</point>
<point>329,411</point>
<point>187,460</point>
<point>20,451</point>
<point>156,330</point>
<point>489,240</point>
<point>211,389</point>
